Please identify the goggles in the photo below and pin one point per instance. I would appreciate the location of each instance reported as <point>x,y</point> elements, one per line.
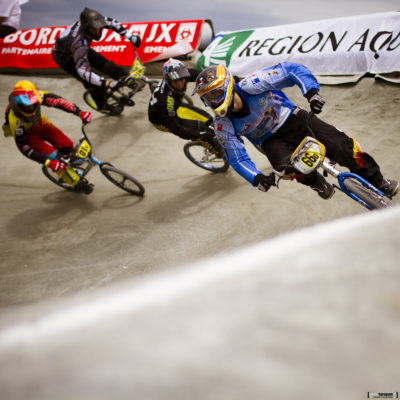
<point>214,98</point>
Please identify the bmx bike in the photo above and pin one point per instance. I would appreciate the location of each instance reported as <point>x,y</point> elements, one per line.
<point>121,95</point>
<point>79,165</point>
<point>310,155</point>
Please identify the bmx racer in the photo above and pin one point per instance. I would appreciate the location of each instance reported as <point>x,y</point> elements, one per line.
<point>256,108</point>
<point>73,54</point>
<point>35,136</point>
<point>168,113</point>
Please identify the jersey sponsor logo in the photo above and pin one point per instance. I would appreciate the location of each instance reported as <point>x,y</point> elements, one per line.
<point>170,103</point>
<point>219,127</point>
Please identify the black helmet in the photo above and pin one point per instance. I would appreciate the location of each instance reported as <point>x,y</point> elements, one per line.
<point>92,22</point>
<point>175,70</point>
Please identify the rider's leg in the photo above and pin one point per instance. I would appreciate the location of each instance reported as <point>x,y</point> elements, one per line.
<point>186,123</point>
<point>347,152</point>
<point>56,137</point>
<point>187,111</point>
<point>279,147</point>
<point>98,93</point>
<point>47,139</point>
<point>38,142</point>
<point>197,121</point>
<point>106,66</point>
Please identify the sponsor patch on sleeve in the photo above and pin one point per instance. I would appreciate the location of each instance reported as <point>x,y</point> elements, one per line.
<point>254,78</point>
<point>273,72</point>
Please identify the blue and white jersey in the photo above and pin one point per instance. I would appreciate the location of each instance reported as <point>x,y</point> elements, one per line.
<point>268,107</point>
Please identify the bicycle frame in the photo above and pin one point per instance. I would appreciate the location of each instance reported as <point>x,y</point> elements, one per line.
<point>83,154</point>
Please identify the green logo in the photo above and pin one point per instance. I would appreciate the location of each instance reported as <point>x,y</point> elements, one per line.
<point>221,49</point>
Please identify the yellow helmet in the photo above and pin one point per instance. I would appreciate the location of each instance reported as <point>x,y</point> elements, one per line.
<point>25,100</point>
<point>216,87</point>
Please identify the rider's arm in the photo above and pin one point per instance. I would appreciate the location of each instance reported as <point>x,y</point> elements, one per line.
<point>117,27</point>
<point>235,151</point>
<point>280,76</point>
<point>80,53</point>
<point>53,100</point>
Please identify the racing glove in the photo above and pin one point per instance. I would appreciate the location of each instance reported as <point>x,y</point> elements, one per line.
<point>316,101</point>
<point>55,165</point>
<point>263,182</point>
<point>86,116</point>
<point>136,40</point>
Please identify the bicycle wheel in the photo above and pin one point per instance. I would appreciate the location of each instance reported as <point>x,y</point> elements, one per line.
<point>55,178</point>
<point>87,97</point>
<point>122,179</point>
<point>83,186</point>
<point>204,158</point>
<point>373,199</point>
<point>112,107</point>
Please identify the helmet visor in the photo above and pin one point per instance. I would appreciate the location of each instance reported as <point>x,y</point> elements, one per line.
<point>214,98</point>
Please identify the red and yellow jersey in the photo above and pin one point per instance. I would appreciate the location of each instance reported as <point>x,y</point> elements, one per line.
<point>17,124</point>
<point>23,130</point>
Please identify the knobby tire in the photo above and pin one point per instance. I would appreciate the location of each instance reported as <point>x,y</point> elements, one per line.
<point>118,107</point>
<point>122,179</point>
<point>203,158</point>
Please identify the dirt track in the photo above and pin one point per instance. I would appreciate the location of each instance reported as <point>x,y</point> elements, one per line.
<point>100,298</point>
<point>55,243</point>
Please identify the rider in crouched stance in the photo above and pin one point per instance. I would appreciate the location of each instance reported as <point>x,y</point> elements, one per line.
<point>35,136</point>
<point>256,108</point>
<point>73,54</point>
<point>168,113</point>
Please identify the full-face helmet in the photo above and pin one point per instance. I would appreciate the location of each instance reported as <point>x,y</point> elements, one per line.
<point>25,101</point>
<point>216,87</point>
<point>92,23</point>
<point>174,70</point>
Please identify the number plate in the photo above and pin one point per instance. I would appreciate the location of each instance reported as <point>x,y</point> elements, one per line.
<point>308,156</point>
<point>84,149</point>
<point>137,69</point>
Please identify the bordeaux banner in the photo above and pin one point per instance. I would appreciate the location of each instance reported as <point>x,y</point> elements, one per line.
<point>32,48</point>
<point>355,45</point>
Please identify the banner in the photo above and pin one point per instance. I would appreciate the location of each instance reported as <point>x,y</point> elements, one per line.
<point>354,45</point>
<point>32,48</point>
